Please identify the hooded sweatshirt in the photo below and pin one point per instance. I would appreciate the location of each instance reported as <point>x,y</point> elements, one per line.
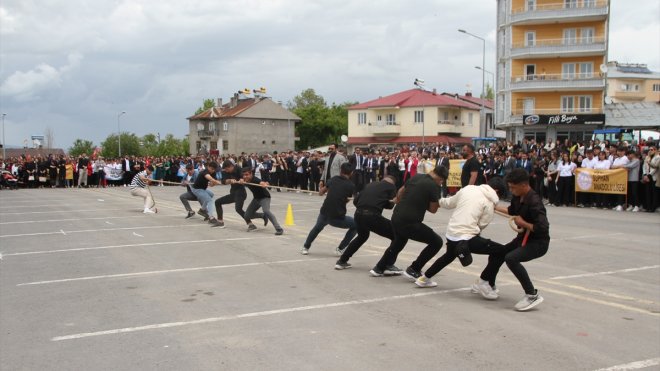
<point>474,207</point>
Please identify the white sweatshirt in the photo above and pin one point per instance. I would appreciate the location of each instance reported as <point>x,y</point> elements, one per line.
<point>474,207</point>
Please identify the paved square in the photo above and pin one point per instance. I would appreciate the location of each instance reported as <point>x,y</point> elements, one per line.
<point>87,282</point>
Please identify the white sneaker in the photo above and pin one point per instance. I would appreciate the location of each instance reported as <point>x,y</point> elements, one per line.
<point>618,208</point>
<point>528,302</point>
<point>304,251</point>
<point>475,288</point>
<point>339,252</point>
<point>149,211</point>
<point>486,291</point>
<point>630,207</point>
<point>635,209</point>
<point>425,282</point>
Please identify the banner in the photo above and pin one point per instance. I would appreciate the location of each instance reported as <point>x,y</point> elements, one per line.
<point>566,118</point>
<point>455,169</point>
<point>113,174</point>
<point>601,181</point>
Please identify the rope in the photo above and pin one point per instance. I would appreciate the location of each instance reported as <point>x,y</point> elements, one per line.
<point>252,185</point>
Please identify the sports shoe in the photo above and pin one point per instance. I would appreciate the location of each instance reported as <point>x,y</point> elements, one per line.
<point>339,265</point>
<point>412,274</point>
<point>486,291</point>
<point>265,220</point>
<point>203,213</point>
<point>304,251</point>
<point>190,214</point>
<point>529,301</point>
<point>251,227</point>
<point>375,272</point>
<point>618,208</point>
<point>425,282</point>
<point>629,208</point>
<point>393,270</point>
<point>217,223</point>
<point>635,209</point>
<point>149,211</point>
<point>339,252</point>
<point>475,288</point>
<point>279,232</point>
<point>580,205</point>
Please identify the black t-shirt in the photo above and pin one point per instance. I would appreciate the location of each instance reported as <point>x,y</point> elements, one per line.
<point>470,166</point>
<point>201,182</point>
<point>532,210</point>
<point>258,192</point>
<point>420,191</point>
<point>236,175</point>
<point>339,190</point>
<point>376,196</point>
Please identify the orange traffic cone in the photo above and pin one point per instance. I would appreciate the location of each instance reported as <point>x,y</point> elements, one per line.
<point>288,220</point>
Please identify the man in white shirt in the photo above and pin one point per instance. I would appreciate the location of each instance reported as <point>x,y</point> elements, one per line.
<point>621,160</point>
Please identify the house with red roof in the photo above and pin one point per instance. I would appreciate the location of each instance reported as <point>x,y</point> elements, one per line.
<point>245,124</point>
<point>413,116</point>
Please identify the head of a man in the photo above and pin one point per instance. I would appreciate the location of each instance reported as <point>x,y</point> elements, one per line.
<point>246,173</point>
<point>498,185</point>
<point>467,151</point>
<point>346,170</point>
<point>439,174</point>
<point>228,166</point>
<point>518,182</point>
<point>190,169</point>
<point>212,167</point>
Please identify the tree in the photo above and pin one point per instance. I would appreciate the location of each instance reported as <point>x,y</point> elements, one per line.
<point>306,98</point>
<point>130,145</point>
<point>320,124</point>
<point>49,135</point>
<point>490,94</point>
<point>149,145</point>
<point>208,103</point>
<point>81,146</point>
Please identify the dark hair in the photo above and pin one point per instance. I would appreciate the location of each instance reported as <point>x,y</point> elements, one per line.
<point>441,171</point>
<point>227,164</point>
<point>150,168</point>
<point>470,146</point>
<point>189,167</point>
<point>246,170</point>
<point>498,185</point>
<point>212,164</point>
<point>346,168</point>
<point>517,176</point>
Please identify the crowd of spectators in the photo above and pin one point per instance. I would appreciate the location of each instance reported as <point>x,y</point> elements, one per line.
<point>551,166</point>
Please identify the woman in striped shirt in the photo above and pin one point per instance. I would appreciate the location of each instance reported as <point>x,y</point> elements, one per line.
<point>139,188</point>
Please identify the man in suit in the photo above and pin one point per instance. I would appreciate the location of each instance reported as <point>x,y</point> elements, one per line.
<point>357,160</point>
<point>301,171</point>
<point>331,163</point>
<point>509,163</point>
<point>127,167</point>
<point>443,161</point>
<point>370,168</point>
<point>524,163</point>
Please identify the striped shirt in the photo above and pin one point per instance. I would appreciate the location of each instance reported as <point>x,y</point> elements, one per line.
<point>137,181</point>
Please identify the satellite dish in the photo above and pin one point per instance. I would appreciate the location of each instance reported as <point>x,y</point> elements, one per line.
<point>344,138</point>
<point>608,100</point>
<point>603,68</point>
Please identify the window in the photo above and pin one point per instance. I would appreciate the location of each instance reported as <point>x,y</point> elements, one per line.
<point>445,115</point>
<point>362,118</point>
<point>570,36</point>
<point>379,119</point>
<point>198,145</point>
<point>391,119</point>
<point>656,87</point>
<point>570,3</point>
<point>589,3</point>
<point>567,104</point>
<point>528,106</point>
<point>530,71</point>
<point>225,126</point>
<point>470,119</point>
<point>225,145</point>
<point>586,70</point>
<point>587,35</point>
<point>212,126</point>
<point>419,116</point>
<point>584,103</point>
<point>568,71</point>
<point>530,38</point>
<point>214,145</point>
<point>530,5</point>
<point>636,87</point>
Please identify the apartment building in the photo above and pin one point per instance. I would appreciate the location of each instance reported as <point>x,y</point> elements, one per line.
<point>632,83</point>
<point>551,64</point>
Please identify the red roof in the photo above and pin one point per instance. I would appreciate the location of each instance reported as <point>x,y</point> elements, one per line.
<point>488,103</point>
<point>413,98</point>
<point>225,110</point>
<point>411,139</point>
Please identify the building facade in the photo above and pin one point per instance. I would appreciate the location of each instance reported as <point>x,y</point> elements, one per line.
<point>551,59</point>
<point>251,125</point>
<point>631,83</point>
<point>412,116</point>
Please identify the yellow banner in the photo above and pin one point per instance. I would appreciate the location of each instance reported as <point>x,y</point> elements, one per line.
<point>455,169</point>
<point>601,181</point>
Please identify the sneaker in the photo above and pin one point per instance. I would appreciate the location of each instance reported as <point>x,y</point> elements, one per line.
<point>475,288</point>
<point>190,214</point>
<point>279,232</point>
<point>304,251</point>
<point>339,252</point>
<point>580,205</point>
<point>251,227</point>
<point>204,214</point>
<point>393,270</point>
<point>375,272</point>
<point>485,290</point>
<point>635,209</point>
<point>265,220</point>
<point>528,302</point>
<point>618,208</point>
<point>217,223</point>
<point>339,265</point>
<point>149,211</point>
<point>412,274</point>
<point>425,282</point>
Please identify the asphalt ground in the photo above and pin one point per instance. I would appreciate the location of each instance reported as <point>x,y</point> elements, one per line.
<point>88,282</point>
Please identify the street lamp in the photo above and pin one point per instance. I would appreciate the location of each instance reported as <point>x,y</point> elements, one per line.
<point>420,84</point>
<point>483,80</point>
<point>4,144</point>
<point>492,75</point>
<point>119,131</point>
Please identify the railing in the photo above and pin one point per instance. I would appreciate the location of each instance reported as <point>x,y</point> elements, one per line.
<point>556,77</point>
<point>560,42</point>
<point>597,8</point>
<point>449,122</point>
<point>385,127</point>
<point>555,111</point>
<point>581,4</point>
<point>207,133</point>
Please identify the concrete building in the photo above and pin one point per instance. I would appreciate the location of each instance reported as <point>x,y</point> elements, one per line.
<point>248,125</point>
<point>630,83</point>
<point>551,55</point>
<point>412,116</point>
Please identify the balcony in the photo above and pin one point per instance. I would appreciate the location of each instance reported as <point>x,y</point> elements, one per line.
<point>579,11</point>
<point>386,128</point>
<point>629,95</point>
<point>207,133</point>
<point>449,122</point>
<point>519,112</point>
<point>577,81</point>
<point>559,47</point>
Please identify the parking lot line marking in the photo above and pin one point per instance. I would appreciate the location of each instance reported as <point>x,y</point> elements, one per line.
<point>88,278</point>
<point>254,314</point>
<point>101,230</point>
<point>64,211</point>
<point>605,273</point>
<point>601,292</point>
<point>71,220</point>
<point>633,365</point>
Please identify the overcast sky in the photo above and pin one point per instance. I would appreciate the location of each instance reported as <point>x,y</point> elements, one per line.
<point>72,65</point>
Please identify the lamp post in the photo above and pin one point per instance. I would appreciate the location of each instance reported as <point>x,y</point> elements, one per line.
<point>420,84</point>
<point>483,80</point>
<point>492,75</point>
<point>4,144</point>
<point>119,131</point>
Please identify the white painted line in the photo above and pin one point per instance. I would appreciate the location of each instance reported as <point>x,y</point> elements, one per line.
<point>139,235</point>
<point>633,365</point>
<point>107,222</point>
<point>165,271</point>
<point>61,230</point>
<point>586,236</point>
<point>605,273</point>
<point>102,230</point>
<point>63,211</point>
<point>73,219</point>
<point>254,314</point>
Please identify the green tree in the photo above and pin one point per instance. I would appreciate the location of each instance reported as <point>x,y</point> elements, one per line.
<point>208,103</point>
<point>170,146</point>
<point>490,93</point>
<point>306,98</point>
<point>81,146</point>
<point>149,145</point>
<point>130,145</point>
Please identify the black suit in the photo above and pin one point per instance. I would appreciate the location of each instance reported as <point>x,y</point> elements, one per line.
<point>370,167</point>
<point>358,171</point>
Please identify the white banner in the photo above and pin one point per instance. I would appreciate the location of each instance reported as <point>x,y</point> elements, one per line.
<point>112,173</point>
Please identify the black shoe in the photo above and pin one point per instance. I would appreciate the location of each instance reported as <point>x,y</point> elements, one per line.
<point>265,220</point>
<point>279,232</point>
<point>203,213</point>
<point>251,227</point>
<point>412,274</point>
<point>190,214</point>
<point>339,265</point>
<point>217,223</point>
<point>393,270</point>
<point>375,272</point>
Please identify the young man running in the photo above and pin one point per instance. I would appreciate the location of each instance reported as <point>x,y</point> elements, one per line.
<point>261,199</point>
<point>139,188</point>
<point>205,179</point>
<point>368,216</point>
<point>530,214</point>
<point>418,195</point>
<point>333,210</point>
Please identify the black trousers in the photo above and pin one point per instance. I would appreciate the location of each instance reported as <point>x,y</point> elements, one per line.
<point>565,184</point>
<point>403,232</point>
<point>237,197</point>
<point>367,222</point>
<point>514,254</point>
<point>475,245</point>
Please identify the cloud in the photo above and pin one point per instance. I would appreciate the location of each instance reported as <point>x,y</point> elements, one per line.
<point>25,86</point>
